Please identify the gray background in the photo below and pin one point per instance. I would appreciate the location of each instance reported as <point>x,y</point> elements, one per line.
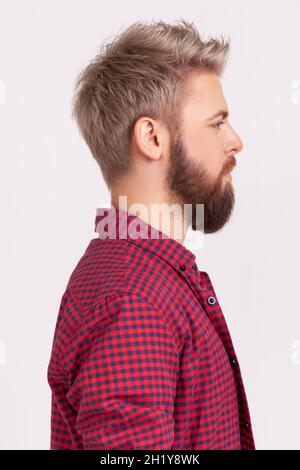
<point>50,189</point>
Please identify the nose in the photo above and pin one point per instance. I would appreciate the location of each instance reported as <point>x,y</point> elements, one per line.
<point>239,145</point>
<point>235,143</point>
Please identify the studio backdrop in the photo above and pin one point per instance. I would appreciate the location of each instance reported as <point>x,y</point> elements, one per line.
<point>51,187</point>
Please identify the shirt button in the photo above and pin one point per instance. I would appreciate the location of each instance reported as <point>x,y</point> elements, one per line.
<point>246,425</point>
<point>194,266</point>
<point>182,267</point>
<point>211,300</point>
<point>233,362</point>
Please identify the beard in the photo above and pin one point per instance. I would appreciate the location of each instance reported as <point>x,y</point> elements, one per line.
<point>189,182</point>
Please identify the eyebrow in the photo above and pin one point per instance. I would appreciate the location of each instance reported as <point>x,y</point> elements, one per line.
<point>222,113</point>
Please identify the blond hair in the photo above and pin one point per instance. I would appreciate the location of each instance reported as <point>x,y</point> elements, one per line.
<point>141,72</point>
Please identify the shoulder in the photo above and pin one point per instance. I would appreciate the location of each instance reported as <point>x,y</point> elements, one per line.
<point>112,272</point>
<point>113,265</point>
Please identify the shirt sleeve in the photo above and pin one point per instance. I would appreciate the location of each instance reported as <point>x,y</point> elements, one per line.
<point>126,385</point>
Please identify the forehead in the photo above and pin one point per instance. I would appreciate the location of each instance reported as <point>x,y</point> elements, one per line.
<point>203,94</point>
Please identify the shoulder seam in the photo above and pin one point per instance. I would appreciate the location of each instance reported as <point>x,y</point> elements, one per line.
<point>124,291</point>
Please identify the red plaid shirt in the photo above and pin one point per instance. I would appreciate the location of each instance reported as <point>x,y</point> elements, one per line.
<point>141,356</point>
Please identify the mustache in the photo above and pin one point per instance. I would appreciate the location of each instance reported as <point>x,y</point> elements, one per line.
<point>229,165</point>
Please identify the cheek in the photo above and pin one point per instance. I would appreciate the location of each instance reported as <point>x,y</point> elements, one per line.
<point>207,147</point>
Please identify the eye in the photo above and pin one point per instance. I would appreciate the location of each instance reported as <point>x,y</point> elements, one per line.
<point>218,124</point>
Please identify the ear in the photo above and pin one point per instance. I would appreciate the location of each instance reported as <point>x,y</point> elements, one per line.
<point>148,138</point>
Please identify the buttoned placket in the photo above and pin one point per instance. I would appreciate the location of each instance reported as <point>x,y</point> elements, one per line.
<point>193,277</point>
<point>206,298</point>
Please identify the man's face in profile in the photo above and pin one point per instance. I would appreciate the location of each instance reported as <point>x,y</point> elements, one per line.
<point>202,154</point>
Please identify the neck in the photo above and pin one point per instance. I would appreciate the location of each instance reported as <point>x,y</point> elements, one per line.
<point>163,215</point>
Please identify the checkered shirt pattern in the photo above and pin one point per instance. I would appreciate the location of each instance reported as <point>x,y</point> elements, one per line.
<point>141,356</point>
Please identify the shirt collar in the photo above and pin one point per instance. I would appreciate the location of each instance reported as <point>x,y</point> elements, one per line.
<point>133,229</point>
